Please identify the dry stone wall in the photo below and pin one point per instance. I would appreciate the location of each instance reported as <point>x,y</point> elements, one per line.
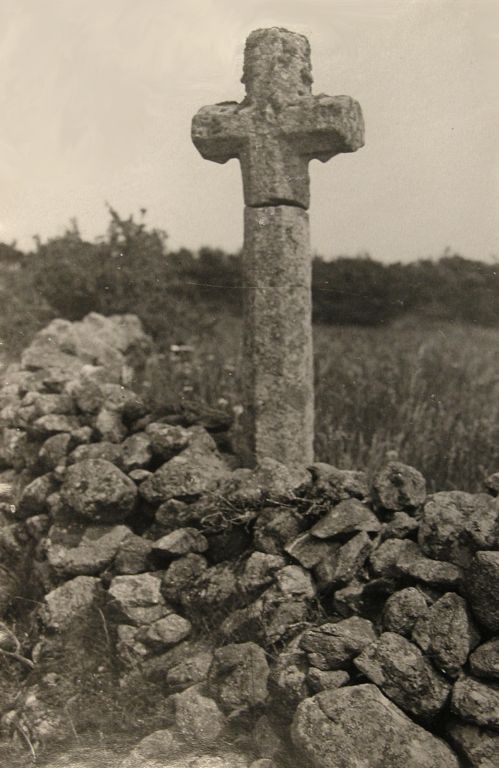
<point>259,617</point>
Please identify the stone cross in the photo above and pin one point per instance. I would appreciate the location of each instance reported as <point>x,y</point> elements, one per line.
<point>274,132</point>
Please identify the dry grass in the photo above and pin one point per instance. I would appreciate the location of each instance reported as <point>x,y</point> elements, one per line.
<point>430,394</point>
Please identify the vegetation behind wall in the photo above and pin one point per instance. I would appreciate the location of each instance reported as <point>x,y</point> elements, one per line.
<point>130,269</point>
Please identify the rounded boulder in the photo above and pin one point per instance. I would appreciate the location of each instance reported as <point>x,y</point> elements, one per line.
<point>99,491</point>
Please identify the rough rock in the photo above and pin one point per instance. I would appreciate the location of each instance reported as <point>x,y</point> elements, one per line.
<point>54,450</point>
<point>70,601</point>
<point>446,633</point>
<point>355,598</point>
<point>139,475</point>
<point>158,666</point>
<point>403,558</point>
<point>128,647</point>
<point>482,588</point>
<point>259,570</point>
<point>275,527</point>
<point>53,423</point>
<point>167,440</point>
<point>294,581</point>
<point>363,597</point>
<point>400,670</point>
<point>492,483</point>
<point>94,552</point>
<point>181,542</point>
<point>278,612</point>
<point>109,425</point>
<point>136,452</point>
<point>383,559</point>
<point>454,525</point>
<point>413,564</point>
<point>103,450</point>
<point>330,646</point>
<point>265,739</point>
<point>400,526</point>
<point>36,404</point>
<point>288,680</point>
<point>397,486</point>
<point>165,632</point>
<point>122,400</point>
<point>12,543</point>
<point>85,389</point>
<point>133,555</point>
<point>66,346</point>
<point>484,661</point>
<point>322,680</point>
<point>349,516</point>
<point>479,746</point>
<point>270,619</point>
<point>37,526</point>
<point>216,589</point>
<point>98,490</point>
<point>238,676</point>
<point>344,562</point>
<point>8,417</point>
<point>13,447</point>
<point>308,550</point>
<point>333,484</point>
<point>270,481</point>
<point>175,513</point>
<point>33,499</point>
<point>189,672</point>
<point>198,717</point>
<point>403,609</point>
<point>189,474</point>
<point>81,435</point>
<point>358,726</point>
<point>138,599</point>
<point>181,576</point>
<point>476,702</point>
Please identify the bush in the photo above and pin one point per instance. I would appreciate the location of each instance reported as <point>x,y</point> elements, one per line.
<point>179,294</point>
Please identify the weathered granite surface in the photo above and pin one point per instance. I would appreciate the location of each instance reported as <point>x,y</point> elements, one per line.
<point>278,374</point>
<point>279,126</point>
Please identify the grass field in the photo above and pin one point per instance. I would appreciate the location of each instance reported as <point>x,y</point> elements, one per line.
<point>428,394</point>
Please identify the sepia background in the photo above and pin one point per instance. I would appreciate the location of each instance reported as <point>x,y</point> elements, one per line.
<point>97,99</point>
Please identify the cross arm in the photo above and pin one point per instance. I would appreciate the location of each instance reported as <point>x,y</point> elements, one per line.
<point>323,126</point>
<point>217,131</point>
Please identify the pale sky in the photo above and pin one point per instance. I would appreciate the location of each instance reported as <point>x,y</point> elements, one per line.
<point>97,96</point>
